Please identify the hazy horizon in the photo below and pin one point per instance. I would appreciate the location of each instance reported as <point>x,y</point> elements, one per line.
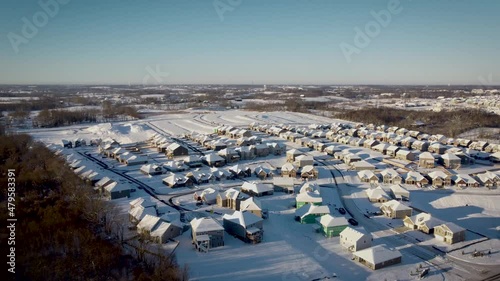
<point>221,42</point>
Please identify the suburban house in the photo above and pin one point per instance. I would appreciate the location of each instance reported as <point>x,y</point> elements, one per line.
<point>240,171</point>
<point>489,179</point>
<point>362,165</point>
<point>404,154</point>
<point>464,180</point>
<point>416,178</point>
<point>261,150</point>
<point>309,172</point>
<point>377,195</point>
<point>355,239</point>
<point>368,176</point>
<point>449,233</point>
<point>303,160</point>
<point>284,184</point>
<point>175,166</point>
<point>166,231</point>
<point>176,149</point>
<point>309,212</point>
<point>231,199</point>
<point>221,174</point>
<point>292,154</point>
<point>495,157</point>
<point>437,147</point>
<point>408,142</point>
<point>288,170</point>
<point>332,226</point>
<point>151,169</point>
<point>420,145</point>
<point>307,197</point>
<point>423,222</point>
<point>246,153</point>
<point>390,176</point>
<point>450,161</point>
<point>330,150</point>
<point>262,173</point>
<point>439,178</point>
<point>208,195</point>
<point>370,143</point>
<point>115,190</point>
<point>193,161</point>
<point>135,160</point>
<point>174,181</point>
<point>244,225</point>
<point>351,158</point>
<point>213,160</point>
<point>426,160</point>
<point>395,210</point>
<point>229,154</point>
<point>377,257</point>
<point>276,148</point>
<point>399,193</point>
<point>392,150</point>
<point>147,224</point>
<point>253,206</point>
<point>136,214</point>
<point>207,233</point>
<point>257,189</point>
<point>381,147</point>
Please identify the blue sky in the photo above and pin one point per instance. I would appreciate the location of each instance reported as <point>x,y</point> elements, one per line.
<point>259,41</point>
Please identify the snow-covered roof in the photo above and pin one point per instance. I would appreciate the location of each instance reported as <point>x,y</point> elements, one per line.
<point>331,221</point>
<point>244,218</point>
<point>250,204</point>
<point>140,212</point>
<point>256,187</point>
<point>438,174</point>
<point>148,222</point>
<point>450,156</point>
<point>378,254</point>
<point>288,167</point>
<point>414,175</point>
<point>310,209</point>
<point>366,174</point>
<point>395,205</point>
<point>141,201</point>
<point>162,228</point>
<point>309,197</point>
<point>363,164</point>
<point>376,193</point>
<point>354,233</point>
<point>389,172</point>
<point>452,227</point>
<point>205,225</point>
<point>114,187</point>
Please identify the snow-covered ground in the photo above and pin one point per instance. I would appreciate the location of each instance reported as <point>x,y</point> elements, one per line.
<point>290,250</point>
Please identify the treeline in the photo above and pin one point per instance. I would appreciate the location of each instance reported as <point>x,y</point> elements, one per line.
<point>56,118</point>
<point>449,123</point>
<point>43,102</point>
<point>61,223</point>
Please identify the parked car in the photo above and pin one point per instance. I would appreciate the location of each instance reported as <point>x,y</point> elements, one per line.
<point>342,211</point>
<point>352,221</point>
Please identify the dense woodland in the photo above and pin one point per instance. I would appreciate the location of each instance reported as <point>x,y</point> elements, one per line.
<point>62,231</point>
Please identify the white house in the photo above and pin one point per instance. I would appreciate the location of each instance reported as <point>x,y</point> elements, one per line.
<point>355,239</point>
